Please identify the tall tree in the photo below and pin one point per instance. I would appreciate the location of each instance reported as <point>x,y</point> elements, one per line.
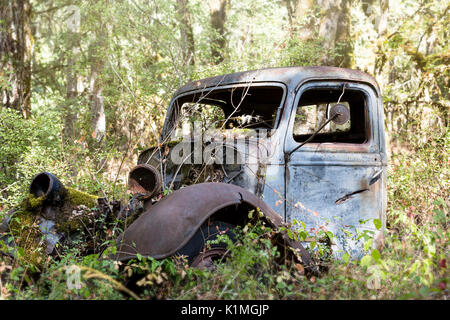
<point>16,48</point>
<point>335,30</point>
<point>328,20</point>
<point>72,78</point>
<point>187,35</point>
<point>377,12</point>
<point>96,88</point>
<point>218,14</point>
<point>96,59</point>
<point>301,17</point>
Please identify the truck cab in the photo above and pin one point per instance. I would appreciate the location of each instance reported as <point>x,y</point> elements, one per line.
<point>308,141</point>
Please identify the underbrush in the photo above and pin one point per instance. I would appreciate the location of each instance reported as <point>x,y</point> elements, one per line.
<point>414,262</point>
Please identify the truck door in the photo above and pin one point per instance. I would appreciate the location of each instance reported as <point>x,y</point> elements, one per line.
<point>335,181</point>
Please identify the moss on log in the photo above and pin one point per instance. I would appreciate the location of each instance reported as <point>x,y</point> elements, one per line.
<point>73,213</point>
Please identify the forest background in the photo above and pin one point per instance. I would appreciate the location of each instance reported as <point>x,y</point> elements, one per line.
<point>84,87</point>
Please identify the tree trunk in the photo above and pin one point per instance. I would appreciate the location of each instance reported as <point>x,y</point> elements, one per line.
<point>97,57</point>
<point>335,32</point>
<point>290,12</point>
<point>217,10</point>
<point>381,26</point>
<point>71,114</point>
<point>333,20</point>
<point>16,48</point>
<point>383,21</point>
<point>378,16</point>
<point>303,11</point>
<point>95,88</point>
<point>187,35</point>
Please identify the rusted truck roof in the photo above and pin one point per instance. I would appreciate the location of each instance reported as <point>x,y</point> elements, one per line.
<point>290,76</point>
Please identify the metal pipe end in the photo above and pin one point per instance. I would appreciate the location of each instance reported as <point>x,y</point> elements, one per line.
<point>144,179</point>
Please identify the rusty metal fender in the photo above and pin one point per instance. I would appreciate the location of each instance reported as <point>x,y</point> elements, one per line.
<point>168,225</point>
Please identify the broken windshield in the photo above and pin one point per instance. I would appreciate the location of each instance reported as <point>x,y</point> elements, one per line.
<point>237,109</point>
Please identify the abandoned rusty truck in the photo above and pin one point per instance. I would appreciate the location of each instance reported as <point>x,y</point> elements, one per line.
<point>300,145</point>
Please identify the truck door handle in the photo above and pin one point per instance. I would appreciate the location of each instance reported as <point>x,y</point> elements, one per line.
<point>375,177</point>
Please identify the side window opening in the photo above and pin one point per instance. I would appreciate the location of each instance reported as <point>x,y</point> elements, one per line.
<point>313,110</point>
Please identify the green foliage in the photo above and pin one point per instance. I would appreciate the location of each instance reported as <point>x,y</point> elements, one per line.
<point>413,261</point>
<point>16,135</point>
<point>251,270</point>
<point>304,53</point>
<point>27,148</point>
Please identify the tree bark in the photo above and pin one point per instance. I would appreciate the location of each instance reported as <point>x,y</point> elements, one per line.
<point>335,32</point>
<point>328,20</point>
<point>379,19</point>
<point>218,11</point>
<point>96,58</point>
<point>95,88</point>
<point>303,11</point>
<point>71,114</point>
<point>16,49</point>
<point>290,12</point>
<point>187,35</point>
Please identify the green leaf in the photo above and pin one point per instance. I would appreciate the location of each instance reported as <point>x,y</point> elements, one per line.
<point>376,255</point>
<point>20,251</point>
<point>290,234</point>
<point>366,261</point>
<point>377,223</point>
<point>330,235</point>
<point>368,244</point>
<point>302,235</point>
<point>346,258</point>
<point>423,291</point>
<point>439,201</point>
<point>303,224</point>
<point>413,268</point>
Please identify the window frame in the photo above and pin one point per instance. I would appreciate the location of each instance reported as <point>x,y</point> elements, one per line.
<point>165,131</point>
<point>369,106</point>
<point>316,125</point>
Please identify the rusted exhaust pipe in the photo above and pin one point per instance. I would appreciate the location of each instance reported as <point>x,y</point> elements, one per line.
<point>52,192</point>
<point>48,186</point>
<point>144,179</point>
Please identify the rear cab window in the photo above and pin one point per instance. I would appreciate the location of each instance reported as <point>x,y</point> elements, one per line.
<point>313,110</point>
